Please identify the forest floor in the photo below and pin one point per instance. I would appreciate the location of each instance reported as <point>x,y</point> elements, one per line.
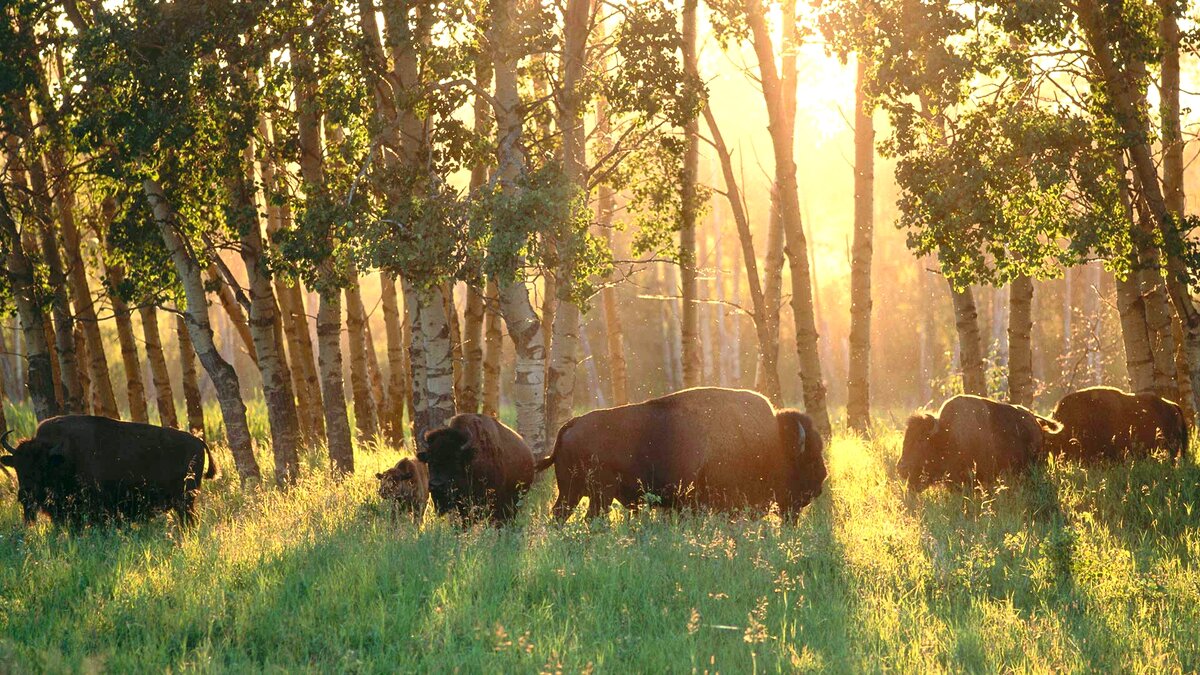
<point>1070,569</point>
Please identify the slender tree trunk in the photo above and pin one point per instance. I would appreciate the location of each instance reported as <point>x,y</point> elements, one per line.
<point>524,328</point>
<point>858,406</point>
<point>81,295</point>
<point>160,376</point>
<point>329,313</point>
<point>472,348</point>
<point>378,391</point>
<point>365,419</point>
<point>266,329</point>
<point>689,327</point>
<point>85,380</point>
<point>1173,180</point>
<point>1121,80</point>
<point>971,363</point>
<point>492,345</point>
<point>456,347</point>
<point>471,397</point>
<point>329,355</point>
<point>431,358</point>
<point>393,419</point>
<point>135,389</point>
<point>780,94</point>
<point>229,298</point>
<point>223,376</point>
<point>613,331</point>
<point>293,317</point>
<point>64,323</point>
<point>1020,345</point>
<point>767,380</point>
<point>565,347</point>
<point>418,401</point>
<point>190,380</point>
<point>21,280</point>
<point>11,388</point>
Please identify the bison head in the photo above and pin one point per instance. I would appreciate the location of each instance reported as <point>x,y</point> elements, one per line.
<point>41,472</point>
<point>405,484</point>
<point>919,455</point>
<point>798,432</point>
<point>448,455</point>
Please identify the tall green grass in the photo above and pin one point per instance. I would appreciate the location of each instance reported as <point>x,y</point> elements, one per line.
<point>1071,569</point>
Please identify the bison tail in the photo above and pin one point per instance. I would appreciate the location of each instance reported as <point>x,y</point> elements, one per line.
<point>548,461</point>
<point>213,471</point>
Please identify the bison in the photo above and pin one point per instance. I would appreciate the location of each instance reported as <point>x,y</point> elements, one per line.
<point>80,468</point>
<point>972,438</point>
<point>1102,423</point>
<point>709,447</point>
<point>407,486</point>
<point>475,462</point>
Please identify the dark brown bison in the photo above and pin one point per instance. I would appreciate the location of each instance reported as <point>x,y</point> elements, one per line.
<point>476,462</point>
<point>1102,423</point>
<point>972,438</point>
<point>708,447</point>
<point>407,486</point>
<point>80,468</point>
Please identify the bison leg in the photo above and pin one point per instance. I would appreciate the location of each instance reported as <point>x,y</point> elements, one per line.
<point>565,504</point>
<point>598,503</point>
<point>185,510</point>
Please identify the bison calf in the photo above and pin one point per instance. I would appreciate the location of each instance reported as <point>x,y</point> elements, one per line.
<point>972,438</point>
<point>407,486</point>
<point>709,447</point>
<point>79,468</point>
<point>1102,423</point>
<point>476,462</point>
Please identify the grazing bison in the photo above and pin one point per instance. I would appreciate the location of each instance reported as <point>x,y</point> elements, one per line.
<point>406,485</point>
<point>475,462</point>
<point>972,438</point>
<point>710,447</point>
<point>79,468</point>
<point>1102,423</point>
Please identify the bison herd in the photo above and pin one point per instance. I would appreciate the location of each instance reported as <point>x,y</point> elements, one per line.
<point>698,448</point>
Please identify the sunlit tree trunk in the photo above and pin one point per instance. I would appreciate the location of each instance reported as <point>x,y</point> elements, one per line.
<point>767,381</point>
<point>329,312</point>
<point>193,404</point>
<point>492,345</point>
<point>85,380</point>
<point>164,397</point>
<point>472,348</point>
<point>135,389</point>
<point>232,301</point>
<point>393,418</point>
<point>1020,341</point>
<point>565,347</point>
<point>780,94</point>
<point>81,294</point>
<point>456,347</point>
<point>294,319</point>
<point>1122,94</point>
<point>378,391</point>
<point>366,421</point>
<point>614,333</point>
<point>266,329</point>
<point>858,405</point>
<point>524,327</point>
<point>431,358</point>
<point>471,395</point>
<point>223,376</point>
<point>63,320</point>
<point>689,328</point>
<point>21,281</point>
<point>971,363</point>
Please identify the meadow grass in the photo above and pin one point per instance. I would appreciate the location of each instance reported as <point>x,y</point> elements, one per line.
<point>1071,569</point>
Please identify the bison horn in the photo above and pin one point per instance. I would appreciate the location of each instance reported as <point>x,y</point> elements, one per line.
<point>4,442</point>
